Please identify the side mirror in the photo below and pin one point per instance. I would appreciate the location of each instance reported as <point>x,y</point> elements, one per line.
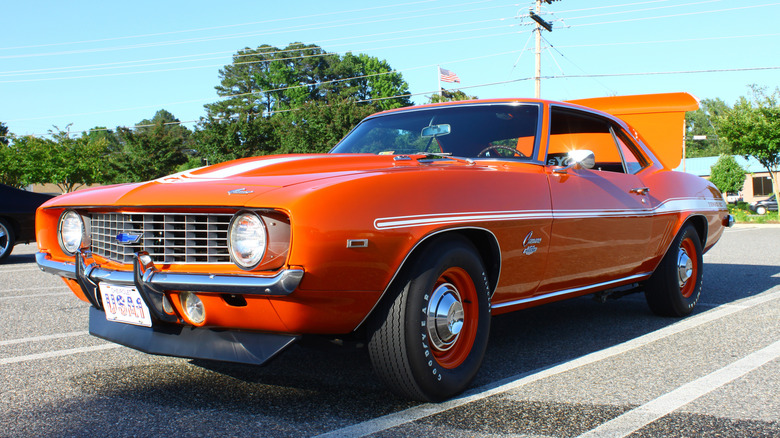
<point>577,159</point>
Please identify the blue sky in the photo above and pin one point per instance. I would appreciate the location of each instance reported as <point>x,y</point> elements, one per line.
<point>90,63</point>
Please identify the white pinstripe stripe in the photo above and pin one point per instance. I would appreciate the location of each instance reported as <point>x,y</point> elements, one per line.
<point>674,205</point>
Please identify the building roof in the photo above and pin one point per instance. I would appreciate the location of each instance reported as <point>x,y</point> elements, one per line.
<point>701,166</point>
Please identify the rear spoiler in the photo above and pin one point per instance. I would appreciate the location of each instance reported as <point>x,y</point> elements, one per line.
<point>658,118</point>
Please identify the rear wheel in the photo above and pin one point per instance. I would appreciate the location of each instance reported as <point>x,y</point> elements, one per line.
<point>7,239</point>
<point>428,339</point>
<point>675,286</point>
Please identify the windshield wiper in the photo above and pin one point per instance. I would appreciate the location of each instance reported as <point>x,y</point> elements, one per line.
<point>448,155</point>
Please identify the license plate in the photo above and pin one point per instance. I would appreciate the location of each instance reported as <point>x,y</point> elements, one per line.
<point>124,304</point>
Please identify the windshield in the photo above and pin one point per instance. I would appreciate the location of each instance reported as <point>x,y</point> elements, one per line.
<point>471,131</point>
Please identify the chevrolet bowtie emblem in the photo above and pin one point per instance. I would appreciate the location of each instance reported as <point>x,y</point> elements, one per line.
<point>125,238</point>
<point>241,191</point>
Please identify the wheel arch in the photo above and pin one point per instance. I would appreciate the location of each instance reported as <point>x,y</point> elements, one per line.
<point>483,240</point>
<point>699,222</point>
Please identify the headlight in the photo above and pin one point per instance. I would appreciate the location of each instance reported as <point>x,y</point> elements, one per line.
<point>247,240</point>
<point>70,232</point>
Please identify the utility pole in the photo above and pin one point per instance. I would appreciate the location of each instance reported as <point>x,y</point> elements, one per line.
<point>540,23</point>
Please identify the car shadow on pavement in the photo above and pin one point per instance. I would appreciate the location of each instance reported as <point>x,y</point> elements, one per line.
<point>306,383</point>
<point>18,259</point>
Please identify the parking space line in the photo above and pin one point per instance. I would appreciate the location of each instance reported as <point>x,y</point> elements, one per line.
<point>43,338</point>
<point>429,409</point>
<point>53,294</point>
<point>24,289</point>
<point>56,353</point>
<point>640,417</point>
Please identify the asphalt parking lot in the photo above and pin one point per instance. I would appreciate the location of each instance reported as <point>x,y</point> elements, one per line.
<point>574,368</point>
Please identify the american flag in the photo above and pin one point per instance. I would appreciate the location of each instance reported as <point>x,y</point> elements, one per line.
<point>448,76</point>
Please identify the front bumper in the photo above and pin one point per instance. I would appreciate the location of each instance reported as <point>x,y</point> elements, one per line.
<point>192,342</point>
<point>166,336</point>
<point>151,283</point>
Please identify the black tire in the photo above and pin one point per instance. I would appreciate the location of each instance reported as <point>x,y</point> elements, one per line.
<point>761,210</point>
<point>421,361</point>
<point>7,239</point>
<point>675,286</point>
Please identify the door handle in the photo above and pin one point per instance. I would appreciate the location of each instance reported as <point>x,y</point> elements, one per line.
<point>640,190</point>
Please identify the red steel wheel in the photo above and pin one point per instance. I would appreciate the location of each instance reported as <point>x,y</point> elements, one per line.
<point>453,317</point>
<point>687,267</point>
<point>428,337</point>
<point>675,286</point>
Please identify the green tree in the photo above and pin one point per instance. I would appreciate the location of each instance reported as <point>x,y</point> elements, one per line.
<point>702,123</point>
<point>450,96</point>
<point>11,164</point>
<point>266,80</point>
<point>218,140</point>
<point>75,162</point>
<point>5,136</point>
<point>154,148</point>
<point>753,128</point>
<point>727,175</point>
<point>316,127</point>
<point>62,160</point>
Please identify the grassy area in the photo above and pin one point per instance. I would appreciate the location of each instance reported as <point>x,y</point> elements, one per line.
<point>742,214</point>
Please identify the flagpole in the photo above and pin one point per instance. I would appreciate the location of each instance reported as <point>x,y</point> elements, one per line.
<point>438,77</point>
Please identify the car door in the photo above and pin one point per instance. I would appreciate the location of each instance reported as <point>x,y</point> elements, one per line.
<point>602,217</point>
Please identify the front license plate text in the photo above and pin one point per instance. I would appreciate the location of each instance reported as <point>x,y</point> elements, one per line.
<point>124,304</point>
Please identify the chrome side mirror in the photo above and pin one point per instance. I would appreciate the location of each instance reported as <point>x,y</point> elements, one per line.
<point>577,159</point>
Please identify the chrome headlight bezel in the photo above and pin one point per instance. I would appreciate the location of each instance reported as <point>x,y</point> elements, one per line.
<point>71,232</point>
<point>247,240</point>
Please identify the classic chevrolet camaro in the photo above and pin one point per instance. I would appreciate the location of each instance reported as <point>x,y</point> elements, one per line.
<point>416,228</point>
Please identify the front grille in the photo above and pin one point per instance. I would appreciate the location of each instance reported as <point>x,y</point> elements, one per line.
<point>167,237</point>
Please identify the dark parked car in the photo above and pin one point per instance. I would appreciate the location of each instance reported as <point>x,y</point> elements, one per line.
<point>17,217</point>
<point>761,207</point>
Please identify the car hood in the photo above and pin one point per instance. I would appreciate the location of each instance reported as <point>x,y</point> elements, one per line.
<point>229,183</point>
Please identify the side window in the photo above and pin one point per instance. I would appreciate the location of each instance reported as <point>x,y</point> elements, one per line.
<point>632,156</point>
<point>575,130</point>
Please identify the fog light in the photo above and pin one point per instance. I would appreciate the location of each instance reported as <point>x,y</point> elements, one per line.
<point>193,308</point>
<point>167,306</point>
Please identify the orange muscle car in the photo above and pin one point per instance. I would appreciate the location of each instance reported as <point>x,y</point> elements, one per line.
<point>416,228</point>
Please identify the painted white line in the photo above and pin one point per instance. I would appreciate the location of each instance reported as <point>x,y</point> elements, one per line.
<point>43,338</point>
<point>25,289</point>
<point>640,417</point>
<point>57,353</point>
<point>428,409</point>
<point>53,294</point>
<point>3,271</point>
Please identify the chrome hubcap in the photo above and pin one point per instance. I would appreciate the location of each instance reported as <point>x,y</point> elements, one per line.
<point>3,239</point>
<point>684,267</point>
<point>444,316</point>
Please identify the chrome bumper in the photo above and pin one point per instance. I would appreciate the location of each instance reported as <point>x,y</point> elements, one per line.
<point>151,282</point>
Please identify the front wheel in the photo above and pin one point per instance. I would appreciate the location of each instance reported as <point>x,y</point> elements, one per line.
<point>428,339</point>
<point>761,210</point>
<point>675,286</point>
<point>7,240</point>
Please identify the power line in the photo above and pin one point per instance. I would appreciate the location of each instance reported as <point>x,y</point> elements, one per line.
<point>124,64</point>
<point>298,57</point>
<point>275,32</point>
<point>220,27</point>
<point>642,10</point>
<point>601,75</point>
<point>685,14</point>
<point>258,92</point>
